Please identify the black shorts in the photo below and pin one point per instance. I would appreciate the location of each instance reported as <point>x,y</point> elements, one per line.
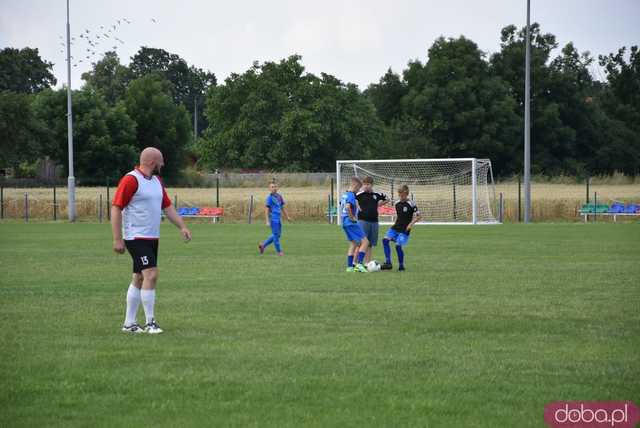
<point>144,253</point>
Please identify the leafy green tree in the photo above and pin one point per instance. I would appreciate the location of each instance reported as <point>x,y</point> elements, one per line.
<point>103,135</point>
<point>624,83</point>
<point>509,62</point>
<point>386,96</point>
<point>405,138</point>
<point>22,70</point>
<point>575,123</point>
<point>550,137</point>
<point>619,150</point>
<point>160,122</point>
<point>451,107</point>
<point>109,77</point>
<point>572,89</point>
<point>279,117</point>
<point>334,121</point>
<point>189,84</point>
<point>620,100</point>
<point>21,133</point>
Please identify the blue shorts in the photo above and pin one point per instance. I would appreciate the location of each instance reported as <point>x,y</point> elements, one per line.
<point>276,228</point>
<point>370,229</point>
<point>401,239</point>
<point>354,232</point>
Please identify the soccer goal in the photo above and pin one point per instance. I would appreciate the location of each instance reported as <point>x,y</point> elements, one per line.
<point>446,191</point>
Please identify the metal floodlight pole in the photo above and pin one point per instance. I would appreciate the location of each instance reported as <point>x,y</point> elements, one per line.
<point>527,120</point>
<point>71,180</point>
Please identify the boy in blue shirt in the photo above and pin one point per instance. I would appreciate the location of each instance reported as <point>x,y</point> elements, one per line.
<point>274,205</point>
<point>358,241</point>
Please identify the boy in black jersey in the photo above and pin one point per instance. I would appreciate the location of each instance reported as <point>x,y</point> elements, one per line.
<point>369,202</point>
<point>407,215</point>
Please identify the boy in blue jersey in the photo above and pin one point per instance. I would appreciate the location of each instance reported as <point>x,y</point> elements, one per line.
<point>358,242</point>
<point>407,214</point>
<point>274,205</point>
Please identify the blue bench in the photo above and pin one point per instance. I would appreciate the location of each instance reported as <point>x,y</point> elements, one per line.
<point>614,210</point>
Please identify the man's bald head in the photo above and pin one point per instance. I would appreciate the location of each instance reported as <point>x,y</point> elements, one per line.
<point>151,159</point>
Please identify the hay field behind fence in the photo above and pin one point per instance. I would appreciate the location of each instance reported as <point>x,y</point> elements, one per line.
<point>550,202</point>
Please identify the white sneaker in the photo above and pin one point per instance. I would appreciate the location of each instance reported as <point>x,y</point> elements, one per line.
<point>133,328</point>
<point>152,327</point>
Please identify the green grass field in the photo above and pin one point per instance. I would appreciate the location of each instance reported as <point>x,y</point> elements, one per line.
<point>487,326</point>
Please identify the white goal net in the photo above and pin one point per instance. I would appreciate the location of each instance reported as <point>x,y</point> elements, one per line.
<point>446,191</point>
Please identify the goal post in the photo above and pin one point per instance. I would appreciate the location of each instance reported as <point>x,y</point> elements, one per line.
<point>446,191</point>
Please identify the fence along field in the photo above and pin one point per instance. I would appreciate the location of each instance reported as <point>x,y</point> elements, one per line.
<point>550,202</point>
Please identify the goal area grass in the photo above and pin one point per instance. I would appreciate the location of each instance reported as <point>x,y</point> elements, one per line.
<point>487,326</point>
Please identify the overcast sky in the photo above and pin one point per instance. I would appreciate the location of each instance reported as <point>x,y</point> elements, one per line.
<point>357,41</point>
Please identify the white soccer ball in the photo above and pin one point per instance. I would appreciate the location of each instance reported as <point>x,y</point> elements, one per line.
<point>373,266</point>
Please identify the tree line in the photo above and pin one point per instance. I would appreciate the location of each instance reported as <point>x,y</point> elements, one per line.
<point>459,102</point>
<point>118,111</point>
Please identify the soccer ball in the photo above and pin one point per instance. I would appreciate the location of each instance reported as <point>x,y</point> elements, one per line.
<point>373,266</point>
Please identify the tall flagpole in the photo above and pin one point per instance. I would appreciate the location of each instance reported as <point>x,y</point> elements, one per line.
<point>71,180</point>
<point>527,121</point>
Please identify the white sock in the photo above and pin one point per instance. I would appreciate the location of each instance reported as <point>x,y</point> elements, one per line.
<point>133,301</point>
<point>148,301</point>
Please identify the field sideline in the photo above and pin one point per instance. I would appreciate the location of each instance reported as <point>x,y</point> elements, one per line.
<point>487,326</point>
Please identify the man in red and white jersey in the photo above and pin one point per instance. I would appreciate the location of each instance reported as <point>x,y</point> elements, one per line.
<point>136,210</point>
